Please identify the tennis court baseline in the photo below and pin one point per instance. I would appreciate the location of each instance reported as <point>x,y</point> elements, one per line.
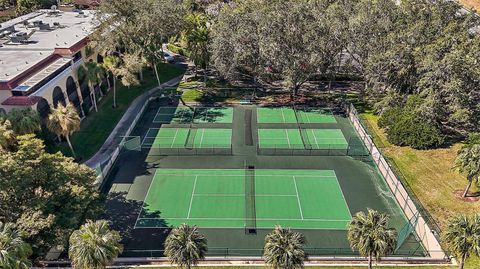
<point>292,139</point>
<point>287,115</point>
<point>187,137</point>
<point>215,198</point>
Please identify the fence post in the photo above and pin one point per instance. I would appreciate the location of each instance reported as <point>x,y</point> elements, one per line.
<point>428,240</point>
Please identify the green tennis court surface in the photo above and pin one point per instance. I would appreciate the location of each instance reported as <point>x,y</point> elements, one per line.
<point>292,139</point>
<point>187,137</point>
<point>194,114</point>
<point>213,114</point>
<point>214,198</point>
<point>287,115</point>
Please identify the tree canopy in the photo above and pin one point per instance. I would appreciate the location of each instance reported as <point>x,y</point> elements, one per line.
<point>46,195</point>
<point>413,47</point>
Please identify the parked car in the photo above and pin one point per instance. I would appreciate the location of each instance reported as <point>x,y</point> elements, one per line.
<point>168,57</point>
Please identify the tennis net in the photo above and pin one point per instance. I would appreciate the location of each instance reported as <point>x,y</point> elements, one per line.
<point>303,132</point>
<point>250,211</point>
<point>190,141</point>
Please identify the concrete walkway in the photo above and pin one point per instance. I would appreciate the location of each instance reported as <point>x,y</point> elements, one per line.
<point>115,137</point>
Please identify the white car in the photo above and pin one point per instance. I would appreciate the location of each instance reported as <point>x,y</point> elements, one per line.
<point>168,57</point>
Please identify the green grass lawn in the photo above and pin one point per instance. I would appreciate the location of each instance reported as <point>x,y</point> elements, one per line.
<point>97,126</point>
<point>430,175</point>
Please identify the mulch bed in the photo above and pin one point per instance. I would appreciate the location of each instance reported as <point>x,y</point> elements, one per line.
<point>471,196</point>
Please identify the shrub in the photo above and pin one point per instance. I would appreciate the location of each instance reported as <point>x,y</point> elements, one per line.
<point>405,126</point>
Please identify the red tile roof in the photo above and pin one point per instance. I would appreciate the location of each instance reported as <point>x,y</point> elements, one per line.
<point>21,101</point>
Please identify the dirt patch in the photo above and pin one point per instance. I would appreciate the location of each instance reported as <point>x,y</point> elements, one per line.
<point>471,196</point>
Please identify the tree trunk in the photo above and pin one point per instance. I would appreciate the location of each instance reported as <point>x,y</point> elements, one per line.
<point>156,74</point>
<point>468,187</point>
<point>81,111</point>
<point>77,84</point>
<point>369,261</point>
<point>462,261</point>
<point>295,89</point>
<point>92,96</point>
<point>70,145</point>
<point>205,75</point>
<point>114,92</point>
<point>108,81</point>
<point>100,88</point>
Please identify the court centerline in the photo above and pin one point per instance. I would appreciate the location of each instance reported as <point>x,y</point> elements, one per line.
<point>201,138</point>
<point>298,197</point>
<point>175,137</point>
<point>191,198</point>
<point>288,138</point>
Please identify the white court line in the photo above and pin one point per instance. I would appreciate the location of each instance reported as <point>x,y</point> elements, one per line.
<point>241,176</point>
<point>298,198</point>
<point>268,219</point>
<point>145,198</point>
<point>191,198</point>
<point>283,115</point>
<point>288,138</point>
<point>308,117</point>
<point>201,139</point>
<point>175,137</point>
<point>341,191</point>
<point>219,227</point>
<point>241,195</point>
<point>315,138</point>
<point>146,135</point>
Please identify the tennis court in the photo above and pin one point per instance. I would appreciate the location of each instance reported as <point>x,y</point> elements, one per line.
<point>187,138</point>
<point>221,198</point>
<point>213,115</point>
<point>237,180</point>
<point>291,115</point>
<point>185,115</point>
<point>292,139</point>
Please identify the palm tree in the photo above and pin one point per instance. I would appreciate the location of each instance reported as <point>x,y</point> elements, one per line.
<point>25,121</point>
<point>112,65</point>
<point>14,252</point>
<point>94,245</point>
<point>462,236</point>
<point>64,121</point>
<point>185,246</point>
<point>468,162</point>
<point>90,71</point>
<point>284,249</point>
<point>370,235</point>
<point>7,135</point>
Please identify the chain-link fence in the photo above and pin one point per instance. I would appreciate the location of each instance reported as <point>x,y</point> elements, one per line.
<point>426,230</point>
